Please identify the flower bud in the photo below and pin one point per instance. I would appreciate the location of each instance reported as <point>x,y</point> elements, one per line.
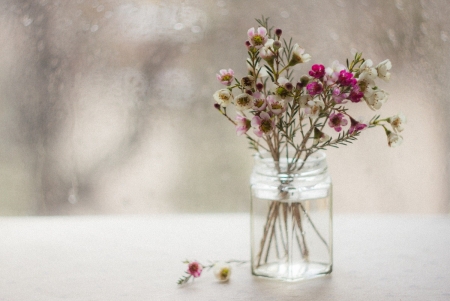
<point>278,32</point>
<point>259,86</point>
<point>299,86</point>
<point>289,86</point>
<point>276,45</point>
<point>249,92</point>
<point>248,45</point>
<point>217,106</point>
<point>304,80</point>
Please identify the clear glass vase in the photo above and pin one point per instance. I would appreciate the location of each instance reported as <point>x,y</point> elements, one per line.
<point>291,218</point>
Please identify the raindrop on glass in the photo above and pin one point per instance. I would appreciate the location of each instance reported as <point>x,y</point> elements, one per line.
<point>284,14</point>
<point>178,26</point>
<point>196,29</point>
<point>27,20</point>
<point>94,28</point>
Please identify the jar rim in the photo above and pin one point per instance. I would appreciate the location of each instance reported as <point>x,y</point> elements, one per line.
<point>315,164</point>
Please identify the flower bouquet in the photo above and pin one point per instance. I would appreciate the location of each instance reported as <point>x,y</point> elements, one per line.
<point>289,120</point>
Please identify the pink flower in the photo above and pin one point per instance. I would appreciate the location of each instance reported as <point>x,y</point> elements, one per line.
<point>276,104</point>
<point>242,124</point>
<point>336,121</point>
<point>356,126</point>
<point>262,124</point>
<point>317,71</point>
<point>225,76</point>
<point>257,37</point>
<point>346,78</point>
<point>339,97</point>
<point>195,269</point>
<point>259,101</point>
<point>314,88</point>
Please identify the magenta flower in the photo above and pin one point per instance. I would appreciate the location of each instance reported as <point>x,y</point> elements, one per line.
<point>242,124</point>
<point>195,269</point>
<point>314,88</point>
<point>337,121</point>
<point>257,37</point>
<point>356,126</point>
<point>317,71</point>
<point>225,76</point>
<point>262,124</point>
<point>356,95</point>
<point>346,78</point>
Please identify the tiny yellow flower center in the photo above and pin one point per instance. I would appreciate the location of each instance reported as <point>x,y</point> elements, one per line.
<point>266,126</point>
<point>259,103</point>
<point>243,101</point>
<point>258,40</point>
<point>224,273</point>
<point>226,77</point>
<point>282,92</point>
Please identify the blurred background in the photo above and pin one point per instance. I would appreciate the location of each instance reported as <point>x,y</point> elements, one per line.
<point>106,106</point>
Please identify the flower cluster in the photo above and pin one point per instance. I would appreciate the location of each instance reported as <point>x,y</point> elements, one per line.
<point>221,270</point>
<point>287,112</point>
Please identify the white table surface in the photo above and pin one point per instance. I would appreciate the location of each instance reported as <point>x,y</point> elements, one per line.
<point>376,257</point>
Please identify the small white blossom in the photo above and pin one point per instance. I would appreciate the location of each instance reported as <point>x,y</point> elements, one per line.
<point>223,97</point>
<point>313,107</point>
<point>383,70</point>
<point>368,73</point>
<point>222,271</point>
<point>375,98</point>
<point>243,102</point>
<point>299,56</point>
<point>397,122</point>
<point>394,139</point>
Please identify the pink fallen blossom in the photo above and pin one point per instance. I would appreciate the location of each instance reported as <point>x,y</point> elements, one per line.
<point>195,269</point>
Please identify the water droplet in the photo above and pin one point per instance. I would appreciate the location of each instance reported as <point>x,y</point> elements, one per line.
<point>423,28</point>
<point>72,199</point>
<point>27,20</point>
<point>284,14</point>
<point>444,36</point>
<point>399,4</point>
<point>391,35</point>
<point>196,29</point>
<point>334,36</point>
<point>108,14</point>
<point>94,28</point>
<point>100,8</point>
<point>178,26</point>
<point>221,3</point>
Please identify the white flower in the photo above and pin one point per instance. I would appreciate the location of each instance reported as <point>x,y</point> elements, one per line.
<point>368,73</point>
<point>267,52</point>
<point>262,70</point>
<point>222,271</point>
<point>223,97</point>
<point>394,139</point>
<point>383,70</point>
<point>243,102</point>
<point>299,56</point>
<point>397,122</point>
<point>313,107</point>
<point>304,100</point>
<point>375,98</point>
<point>282,89</point>
<point>332,73</point>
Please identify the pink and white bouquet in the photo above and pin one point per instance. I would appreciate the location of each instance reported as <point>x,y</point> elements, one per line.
<point>284,110</point>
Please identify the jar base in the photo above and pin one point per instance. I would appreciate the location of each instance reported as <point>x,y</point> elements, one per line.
<point>292,272</point>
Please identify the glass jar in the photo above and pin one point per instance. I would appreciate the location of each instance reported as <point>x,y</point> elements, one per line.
<point>291,218</point>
